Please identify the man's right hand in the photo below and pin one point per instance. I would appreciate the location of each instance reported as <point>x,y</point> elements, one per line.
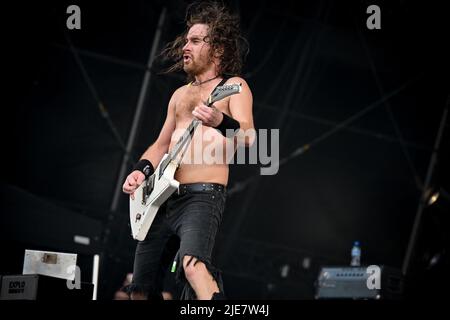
<point>132,182</point>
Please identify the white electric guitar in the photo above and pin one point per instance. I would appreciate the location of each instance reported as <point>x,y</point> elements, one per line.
<point>155,190</point>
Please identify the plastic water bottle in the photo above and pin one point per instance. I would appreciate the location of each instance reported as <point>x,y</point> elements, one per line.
<point>356,255</point>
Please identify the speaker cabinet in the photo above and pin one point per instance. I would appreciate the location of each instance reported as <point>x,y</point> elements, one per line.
<point>38,287</point>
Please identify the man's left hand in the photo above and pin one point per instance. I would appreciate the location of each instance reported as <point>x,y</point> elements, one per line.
<point>210,116</point>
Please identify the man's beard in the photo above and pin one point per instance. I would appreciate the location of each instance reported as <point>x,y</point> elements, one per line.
<point>194,68</point>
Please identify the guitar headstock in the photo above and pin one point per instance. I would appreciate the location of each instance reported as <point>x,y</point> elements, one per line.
<point>224,91</point>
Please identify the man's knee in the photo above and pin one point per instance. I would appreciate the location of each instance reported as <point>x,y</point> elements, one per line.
<point>193,268</point>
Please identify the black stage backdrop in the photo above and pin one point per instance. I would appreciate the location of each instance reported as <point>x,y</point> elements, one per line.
<point>367,103</point>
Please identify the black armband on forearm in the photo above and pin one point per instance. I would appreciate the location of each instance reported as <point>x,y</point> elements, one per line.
<point>144,166</point>
<point>228,123</point>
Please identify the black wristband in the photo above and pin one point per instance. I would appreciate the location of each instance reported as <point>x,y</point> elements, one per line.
<point>144,166</point>
<point>228,123</point>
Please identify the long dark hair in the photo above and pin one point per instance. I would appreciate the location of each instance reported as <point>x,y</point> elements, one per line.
<point>224,37</point>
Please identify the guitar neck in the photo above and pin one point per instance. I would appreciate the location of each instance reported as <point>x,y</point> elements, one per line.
<point>187,135</point>
<point>181,143</point>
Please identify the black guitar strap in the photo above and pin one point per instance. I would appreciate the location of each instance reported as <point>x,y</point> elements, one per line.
<point>221,83</point>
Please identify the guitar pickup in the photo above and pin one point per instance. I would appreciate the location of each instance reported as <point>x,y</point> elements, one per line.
<point>147,189</point>
<point>145,195</point>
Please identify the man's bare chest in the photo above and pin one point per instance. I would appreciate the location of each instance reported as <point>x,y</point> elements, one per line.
<point>192,98</point>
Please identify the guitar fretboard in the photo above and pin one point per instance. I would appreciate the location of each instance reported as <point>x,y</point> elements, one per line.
<point>184,139</point>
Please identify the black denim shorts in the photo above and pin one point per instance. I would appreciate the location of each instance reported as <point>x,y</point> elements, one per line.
<point>193,215</point>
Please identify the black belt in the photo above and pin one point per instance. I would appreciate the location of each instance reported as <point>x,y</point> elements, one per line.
<point>200,187</point>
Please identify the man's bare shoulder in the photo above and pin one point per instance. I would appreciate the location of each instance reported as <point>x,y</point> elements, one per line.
<point>178,93</point>
<point>245,87</point>
<point>236,80</point>
<point>181,89</point>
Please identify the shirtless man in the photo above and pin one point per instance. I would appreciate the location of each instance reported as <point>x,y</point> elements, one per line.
<point>194,212</point>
